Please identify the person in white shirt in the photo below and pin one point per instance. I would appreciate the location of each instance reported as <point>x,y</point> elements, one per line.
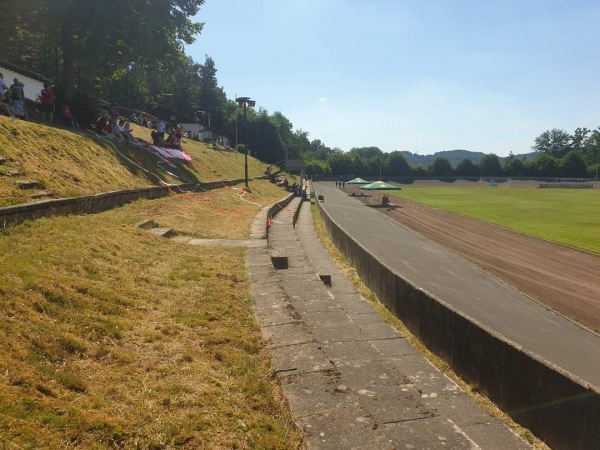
<point>161,127</point>
<point>120,132</point>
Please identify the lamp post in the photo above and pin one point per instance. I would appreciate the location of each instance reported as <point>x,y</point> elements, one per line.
<point>245,102</point>
<point>128,68</point>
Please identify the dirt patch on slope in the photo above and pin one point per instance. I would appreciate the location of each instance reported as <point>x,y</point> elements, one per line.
<point>563,279</point>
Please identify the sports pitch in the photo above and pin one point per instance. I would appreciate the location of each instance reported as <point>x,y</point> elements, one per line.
<point>566,216</point>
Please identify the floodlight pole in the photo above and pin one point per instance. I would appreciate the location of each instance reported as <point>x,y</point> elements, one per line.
<point>128,69</point>
<point>245,102</point>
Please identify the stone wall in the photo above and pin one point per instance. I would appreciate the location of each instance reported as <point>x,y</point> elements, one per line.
<point>14,215</point>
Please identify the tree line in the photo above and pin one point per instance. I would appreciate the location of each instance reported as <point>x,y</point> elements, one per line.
<point>558,155</point>
<point>131,52</point>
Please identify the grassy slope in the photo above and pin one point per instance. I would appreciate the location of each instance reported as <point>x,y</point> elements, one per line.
<point>72,164</point>
<point>562,215</point>
<point>113,337</point>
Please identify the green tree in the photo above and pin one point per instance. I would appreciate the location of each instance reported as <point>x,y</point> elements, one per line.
<point>315,167</point>
<point>264,140</point>
<point>366,152</point>
<point>441,167</point>
<point>341,164</point>
<point>514,167</point>
<point>467,168</point>
<point>591,152</point>
<point>579,138</point>
<point>210,97</point>
<point>97,39</point>
<point>318,150</point>
<point>572,165</point>
<point>555,142</point>
<point>546,165</point>
<point>284,127</point>
<point>490,166</point>
<point>396,165</point>
<point>360,166</point>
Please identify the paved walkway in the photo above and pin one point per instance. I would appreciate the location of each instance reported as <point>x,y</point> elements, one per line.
<point>351,380</point>
<point>468,289</point>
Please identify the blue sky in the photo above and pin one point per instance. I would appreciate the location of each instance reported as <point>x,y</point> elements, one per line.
<point>416,75</point>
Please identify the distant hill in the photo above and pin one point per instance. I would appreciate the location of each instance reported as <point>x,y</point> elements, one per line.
<point>454,156</point>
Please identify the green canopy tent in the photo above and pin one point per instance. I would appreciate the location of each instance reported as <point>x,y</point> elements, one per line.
<point>357,181</point>
<point>380,186</point>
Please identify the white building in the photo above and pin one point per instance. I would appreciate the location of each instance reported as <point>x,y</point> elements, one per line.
<point>33,82</point>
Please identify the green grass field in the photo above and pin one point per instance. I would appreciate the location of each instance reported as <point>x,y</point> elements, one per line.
<point>570,217</point>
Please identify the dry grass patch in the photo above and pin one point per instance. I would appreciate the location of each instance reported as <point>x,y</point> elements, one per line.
<point>114,337</point>
<point>218,214</point>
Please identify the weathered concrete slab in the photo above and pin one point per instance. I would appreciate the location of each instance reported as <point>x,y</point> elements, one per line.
<point>425,375</point>
<point>349,352</point>
<point>354,304</point>
<point>272,300</point>
<point>434,433</point>
<point>370,318</point>
<point>390,348</point>
<point>332,333</point>
<point>328,319</point>
<point>342,429</point>
<point>276,316</point>
<point>380,330</point>
<point>365,374</point>
<point>300,359</point>
<point>458,406</point>
<point>315,306</point>
<point>494,436</point>
<point>295,271</point>
<point>266,286</point>
<point>163,232</point>
<point>389,404</point>
<point>316,393</point>
<point>261,270</point>
<point>287,334</point>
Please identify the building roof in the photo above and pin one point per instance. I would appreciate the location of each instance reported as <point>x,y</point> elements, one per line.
<point>24,71</point>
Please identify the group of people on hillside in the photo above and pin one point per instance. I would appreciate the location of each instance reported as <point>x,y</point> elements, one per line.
<point>117,127</point>
<point>174,135</point>
<point>12,99</point>
<point>12,103</point>
<point>113,125</point>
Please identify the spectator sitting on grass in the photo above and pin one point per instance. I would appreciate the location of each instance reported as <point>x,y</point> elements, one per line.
<point>160,141</point>
<point>101,125</point>
<point>120,132</point>
<point>172,141</point>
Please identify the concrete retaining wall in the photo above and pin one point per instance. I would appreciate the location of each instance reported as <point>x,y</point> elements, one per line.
<point>273,210</point>
<point>14,215</point>
<point>557,408</point>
